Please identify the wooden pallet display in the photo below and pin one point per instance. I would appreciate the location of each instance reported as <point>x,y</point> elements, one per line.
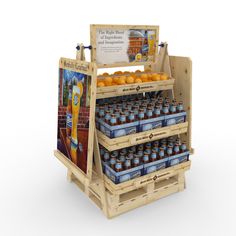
<point>115,199</point>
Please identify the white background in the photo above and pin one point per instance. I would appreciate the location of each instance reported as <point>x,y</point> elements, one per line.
<point>35,198</point>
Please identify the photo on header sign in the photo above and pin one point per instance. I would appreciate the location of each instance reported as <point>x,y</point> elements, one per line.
<point>125,45</point>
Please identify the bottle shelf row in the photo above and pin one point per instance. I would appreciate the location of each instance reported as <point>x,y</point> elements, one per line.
<point>142,137</point>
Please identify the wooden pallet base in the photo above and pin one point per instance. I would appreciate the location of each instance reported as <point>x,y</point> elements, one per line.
<point>141,191</point>
<point>118,204</point>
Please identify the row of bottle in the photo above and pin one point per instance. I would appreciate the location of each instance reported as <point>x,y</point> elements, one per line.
<point>134,156</point>
<point>137,108</point>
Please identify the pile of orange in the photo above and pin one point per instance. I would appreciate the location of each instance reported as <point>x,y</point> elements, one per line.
<point>126,77</point>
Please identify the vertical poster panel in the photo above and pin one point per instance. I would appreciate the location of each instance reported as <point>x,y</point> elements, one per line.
<point>74,114</point>
<point>125,45</point>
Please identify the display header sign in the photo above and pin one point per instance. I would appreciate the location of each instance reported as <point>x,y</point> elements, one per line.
<point>124,44</point>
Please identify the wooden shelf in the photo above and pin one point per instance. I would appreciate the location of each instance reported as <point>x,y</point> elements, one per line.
<point>114,91</point>
<point>142,137</point>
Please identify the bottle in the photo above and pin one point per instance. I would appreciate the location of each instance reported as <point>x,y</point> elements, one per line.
<point>156,143</point>
<point>113,120</point>
<point>107,117</point>
<point>167,100</point>
<point>122,118</point>
<point>148,145</point>
<point>106,106</point>
<point>111,109</point>
<point>173,108</point>
<point>131,117</point>
<point>180,107</point>
<point>170,140</point>
<point>165,109</point>
<point>126,111</point>
<point>140,147</point>
<point>183,147</point>
<point>164,146</point>
<point>124,150</point>
<point>144,107</point>
<point>145,157</point>
<point>115,153</point>
<point>101,113</point>
<point>113,163</point>
<point>169,150</point>
<point>106,156</point>
<point>117,113</point>
<point>136,161</point>
<point>154,155</point>
<point>127,164</point>
<point>129,106</point>
<point>140,152</point>
<point>160,104</point>
<point>161,153</point>
<point>122,159</point>
<point>96,110</point>
<point>156,149</point>
<point>157,111</point>
<point>118,166</point>
<point>135,109</point>
<point>77,93</point>
<point>149,113</point>
<point>141,114</point>
<point>176,148</point>
<point>133,149</point>
<point>102,151</point>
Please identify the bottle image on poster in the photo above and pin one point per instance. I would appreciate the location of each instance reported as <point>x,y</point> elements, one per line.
<point>73,116</point>
<point>125,46</point>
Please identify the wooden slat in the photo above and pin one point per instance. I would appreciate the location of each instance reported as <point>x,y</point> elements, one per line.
<point>121,90</point>
<point>142,137</point>
<point>98,165</point>
<point>181,68</point>
<point>93,91</point>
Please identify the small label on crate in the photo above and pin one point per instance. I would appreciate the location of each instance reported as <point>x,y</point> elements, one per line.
<point>135,89</point>
<point>148,137</point>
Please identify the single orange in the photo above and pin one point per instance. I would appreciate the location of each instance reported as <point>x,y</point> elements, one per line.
<point>100,84</point>
<point>133,75</point>
<point>164,76</point>
<point>121,80</point>
<point>129,80</point>
<point>118,73</point>
<point>105,74</point>
<point>138,71</point>
<point>115,79</point>
<point>156,77</point>
<point>144,77</point>
<point>108,81</point>
<point>138,80</point>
